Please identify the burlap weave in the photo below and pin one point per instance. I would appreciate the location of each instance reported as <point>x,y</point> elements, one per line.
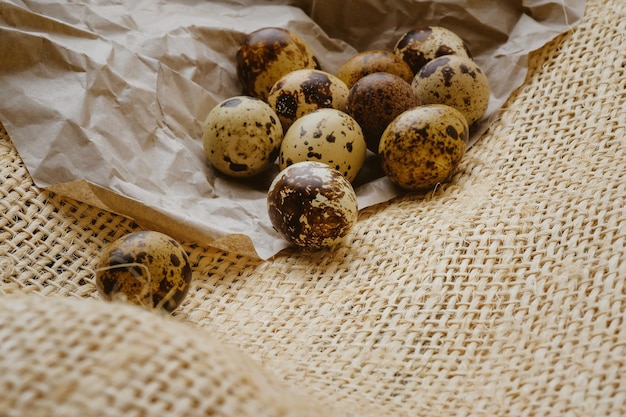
<point>501,293</point>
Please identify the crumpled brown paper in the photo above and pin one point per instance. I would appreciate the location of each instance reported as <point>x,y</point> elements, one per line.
<point>104,100</point>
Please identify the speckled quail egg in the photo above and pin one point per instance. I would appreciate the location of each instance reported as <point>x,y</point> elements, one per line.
<point>368,62</point>
<point>312,205</point>
<point>423,146</point>
<point>303,91</point>
<point>267,54</point>
<point>242,136</point>
<point>375,100</point>
<point>147,268</point>
<point>455,81</point>
<point>422,44</point>
<point>325,135</point>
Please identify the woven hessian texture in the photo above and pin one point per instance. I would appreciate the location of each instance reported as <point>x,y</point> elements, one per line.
<point>501,293</point>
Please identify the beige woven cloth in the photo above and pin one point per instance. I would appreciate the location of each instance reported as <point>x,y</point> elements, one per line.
<point>502,293</point>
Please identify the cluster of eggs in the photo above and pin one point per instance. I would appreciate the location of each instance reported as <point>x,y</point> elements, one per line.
<point>412,107</point>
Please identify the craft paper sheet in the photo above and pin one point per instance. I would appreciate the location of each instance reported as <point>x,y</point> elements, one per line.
<point>105,100</point>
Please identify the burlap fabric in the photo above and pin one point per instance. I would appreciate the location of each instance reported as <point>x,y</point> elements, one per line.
<point>501,293</point>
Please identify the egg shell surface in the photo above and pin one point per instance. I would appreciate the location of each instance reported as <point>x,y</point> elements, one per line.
<point>312,205</point>
<point>422,44</point>
<point>267,54</point>
<point>303,91</point>
<point>375,100</point>
<point>242,136</point>
<point>368,62</point>
<point>325,135</point>
<point>455,81</point>
<point>147,268</point>
<point>423,146</point>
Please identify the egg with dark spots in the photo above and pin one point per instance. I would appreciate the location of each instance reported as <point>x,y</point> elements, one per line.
<point>312,205</point>
<point>303,91</point>
<point>267,54</point>
<point>455,81</point>
<point>242,136</point>
<point>422,44</point>
<point>423,146</point>
<point>369,62</point>
<point>146,268</point>
<point>375,100</point>
<point>325,135</point>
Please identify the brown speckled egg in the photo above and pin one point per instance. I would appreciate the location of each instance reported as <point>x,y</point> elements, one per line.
<point>312,205</point>
<point>267,54</point>
<point>303,91</point>
<point>422,44</point>
<point>375,100</point>
<point>147,268</point>
<point>368,62</point>
<point>455,81</point>
<point>423,146</point>
<point>325,135</point>
<point>242,136</point>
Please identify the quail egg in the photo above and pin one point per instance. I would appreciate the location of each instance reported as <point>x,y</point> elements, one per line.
<point>455,81</point>
<point>375,100</point>
<point>242,136</point>
<point>267,54</point>
<point>312,205</point>
<point>368,62</point>
<point>423,146</point>
<point>303,91</point>
<point>147,268</point>
<point>325,135</point>
<point>422,44</point>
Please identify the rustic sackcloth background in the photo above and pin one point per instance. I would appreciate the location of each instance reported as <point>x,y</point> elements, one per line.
<point>501,293</point>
